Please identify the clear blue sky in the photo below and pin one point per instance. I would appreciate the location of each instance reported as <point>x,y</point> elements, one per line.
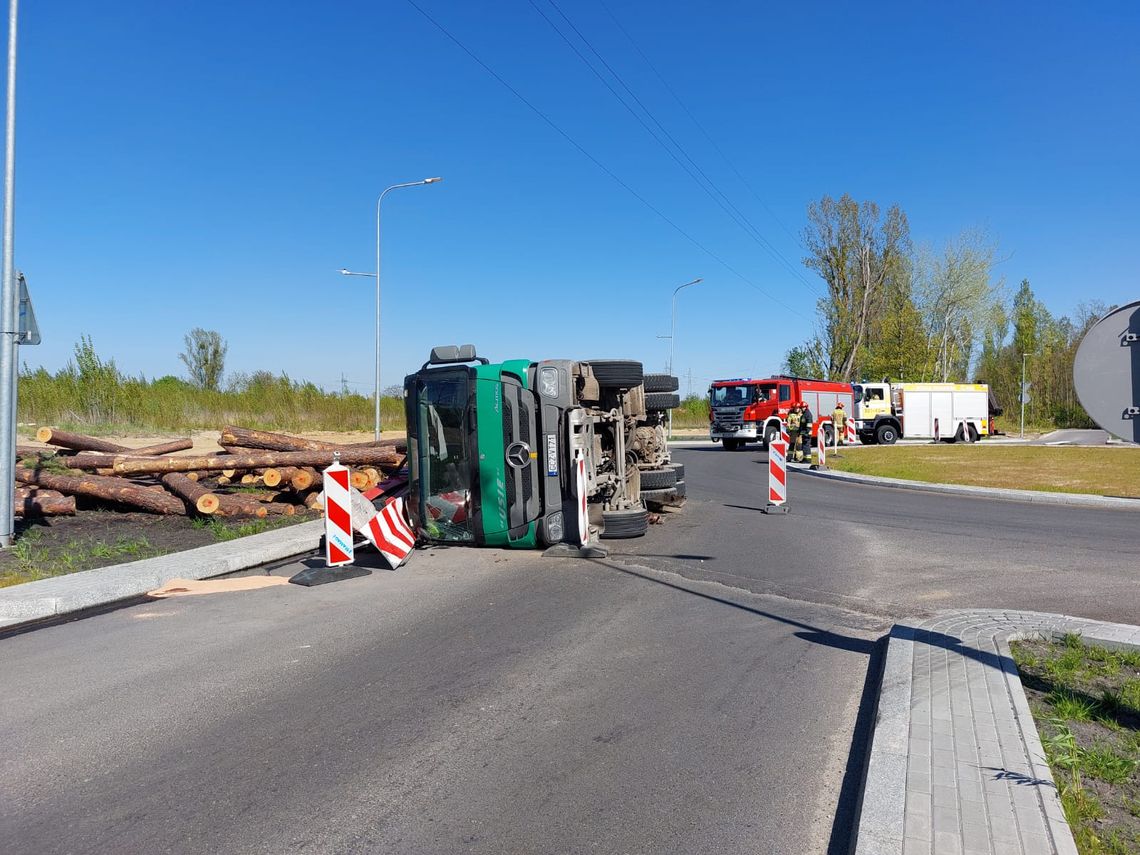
<point>214,164</point>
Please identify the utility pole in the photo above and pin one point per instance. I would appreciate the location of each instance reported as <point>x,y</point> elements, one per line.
<point>690,383</point>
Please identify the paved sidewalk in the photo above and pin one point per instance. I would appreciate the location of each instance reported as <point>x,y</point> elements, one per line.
<point>956,763</point>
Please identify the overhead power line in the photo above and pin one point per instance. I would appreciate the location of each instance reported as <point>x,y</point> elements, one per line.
<point>693,169</point>
<point>609,172</point>
<point>698,124</point>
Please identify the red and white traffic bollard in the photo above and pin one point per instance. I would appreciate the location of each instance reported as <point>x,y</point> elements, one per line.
<point>849,432</point>
<point>338,515</point>
<point>777,478</point>
<point>937,437</point>
<point>821,443</point>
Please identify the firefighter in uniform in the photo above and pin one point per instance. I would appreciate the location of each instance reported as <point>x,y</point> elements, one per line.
<point>793,425</point>
<point>839,423</point>
<point>806,420</point>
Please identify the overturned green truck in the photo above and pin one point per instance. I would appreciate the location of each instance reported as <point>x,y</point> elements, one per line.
<point>528,454</point>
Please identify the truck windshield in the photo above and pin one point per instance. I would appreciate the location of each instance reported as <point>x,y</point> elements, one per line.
<point>742,394</point>
<point>440,448</point>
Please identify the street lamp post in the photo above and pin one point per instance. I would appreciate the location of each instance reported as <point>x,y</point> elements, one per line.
<point>379,200</point>
<point>673,319</point>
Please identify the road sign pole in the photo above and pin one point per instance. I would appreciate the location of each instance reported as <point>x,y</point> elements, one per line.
<point>9,302</point>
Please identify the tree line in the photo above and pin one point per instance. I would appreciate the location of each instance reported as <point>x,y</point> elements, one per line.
<point>892,310</point>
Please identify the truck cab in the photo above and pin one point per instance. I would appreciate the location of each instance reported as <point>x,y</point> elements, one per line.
<point>522,453</point>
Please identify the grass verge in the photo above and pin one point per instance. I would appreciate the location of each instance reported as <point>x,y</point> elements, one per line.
<point>1099,471</point>
<point>1086,703</point>
<point>35,556</point>
<point>223,530</point>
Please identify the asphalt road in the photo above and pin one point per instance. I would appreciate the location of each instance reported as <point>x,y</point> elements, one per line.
<point>705,689</point>
<point>895,552</point>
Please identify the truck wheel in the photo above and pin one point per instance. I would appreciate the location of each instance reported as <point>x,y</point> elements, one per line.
<point>661,383</point>
<point>656,479</point>
<point>617,373</point>
<point>974,437</point>
<point>886,435</point>
<point>771,434</point>
<point>731,444</point>
<point>679,468</point>
<point>828,436</point>
<point>662,400</point>
<point>623,524</point>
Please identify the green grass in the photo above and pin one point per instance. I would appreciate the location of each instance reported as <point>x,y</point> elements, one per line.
<point>35,558</point>
<point>1086,702</point>
<point>92,396</point>
<point>223,530</point>
<point>1101,471</point>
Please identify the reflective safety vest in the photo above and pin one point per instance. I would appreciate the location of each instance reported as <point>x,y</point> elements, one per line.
<point>839,419</point>
<point>793,422</point>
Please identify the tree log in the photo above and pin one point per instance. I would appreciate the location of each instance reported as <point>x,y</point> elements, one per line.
<point>279,509</point>
<point>32,492</point>
<point>77,441</point>
<point>306,479</point>
<point>194,493</point>
<point>244,437</point>
<point>42,505</point>
<point>107,489</point>
<point>163,447</point>
<point>124,465</point>
<point>239,506</point>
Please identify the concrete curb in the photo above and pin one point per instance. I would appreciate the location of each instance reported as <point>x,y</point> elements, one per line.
<point>1032,496</point>
<point>61,595</point>
<point>1021,807</point>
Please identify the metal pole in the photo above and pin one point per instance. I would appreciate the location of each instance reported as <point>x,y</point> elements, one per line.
<point>673,320</point>
<point>9,297</point>
<point>387,190</point>
<point>1022,395</point>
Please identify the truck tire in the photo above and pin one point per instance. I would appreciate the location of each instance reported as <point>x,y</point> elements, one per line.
<point>617,373</point>
<point>618,525</point>
<point>662,400</point>
<point>679,489</point>
<point>771,434</point>
<point>656,479</point>
<point>887,434</point>
<point>731,444</point>
<point>828,437</point>
<point>661,383</point>
<point>679,468</point>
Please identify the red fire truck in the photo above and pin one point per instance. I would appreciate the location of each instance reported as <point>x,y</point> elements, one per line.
<point>743,411</point>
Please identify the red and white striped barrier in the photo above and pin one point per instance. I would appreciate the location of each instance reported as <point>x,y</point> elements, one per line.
<point>849,432</point>
<point>777,476</point>
<point>821,442</point>
<point>580,496</point>
<point>389,532</point>
<point>338,516</point>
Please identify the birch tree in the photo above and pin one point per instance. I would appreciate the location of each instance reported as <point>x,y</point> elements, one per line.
<point>858,251</point>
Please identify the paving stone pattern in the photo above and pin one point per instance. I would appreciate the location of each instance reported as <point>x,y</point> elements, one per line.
<point>957,767</point>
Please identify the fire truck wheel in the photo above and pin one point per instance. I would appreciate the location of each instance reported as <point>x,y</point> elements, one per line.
<point>731,444</point>
<point>828,436</point>
<point>617,373</point>
<point>655,479</point>
<point>679,468</point>
<point>771,434</point>
<point>624,524</point>
<point>662,400</point>
<point>974,434</point>
<point>661,383</point>
<point>886,435</point>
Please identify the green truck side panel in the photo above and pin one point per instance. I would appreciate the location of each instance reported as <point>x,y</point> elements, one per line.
<point>492,453</point>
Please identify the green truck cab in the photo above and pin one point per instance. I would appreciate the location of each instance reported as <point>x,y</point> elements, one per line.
<point>528,454</point>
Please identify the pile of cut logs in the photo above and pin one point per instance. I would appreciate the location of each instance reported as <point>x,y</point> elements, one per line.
<point>258,473</point>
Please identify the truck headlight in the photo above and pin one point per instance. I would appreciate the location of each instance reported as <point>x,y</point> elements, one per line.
<point>548,382</point>
<point>554,526</point>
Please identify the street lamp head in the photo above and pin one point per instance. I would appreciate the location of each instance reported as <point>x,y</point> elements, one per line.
<point>344,271</point>
<point>432,180</point>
